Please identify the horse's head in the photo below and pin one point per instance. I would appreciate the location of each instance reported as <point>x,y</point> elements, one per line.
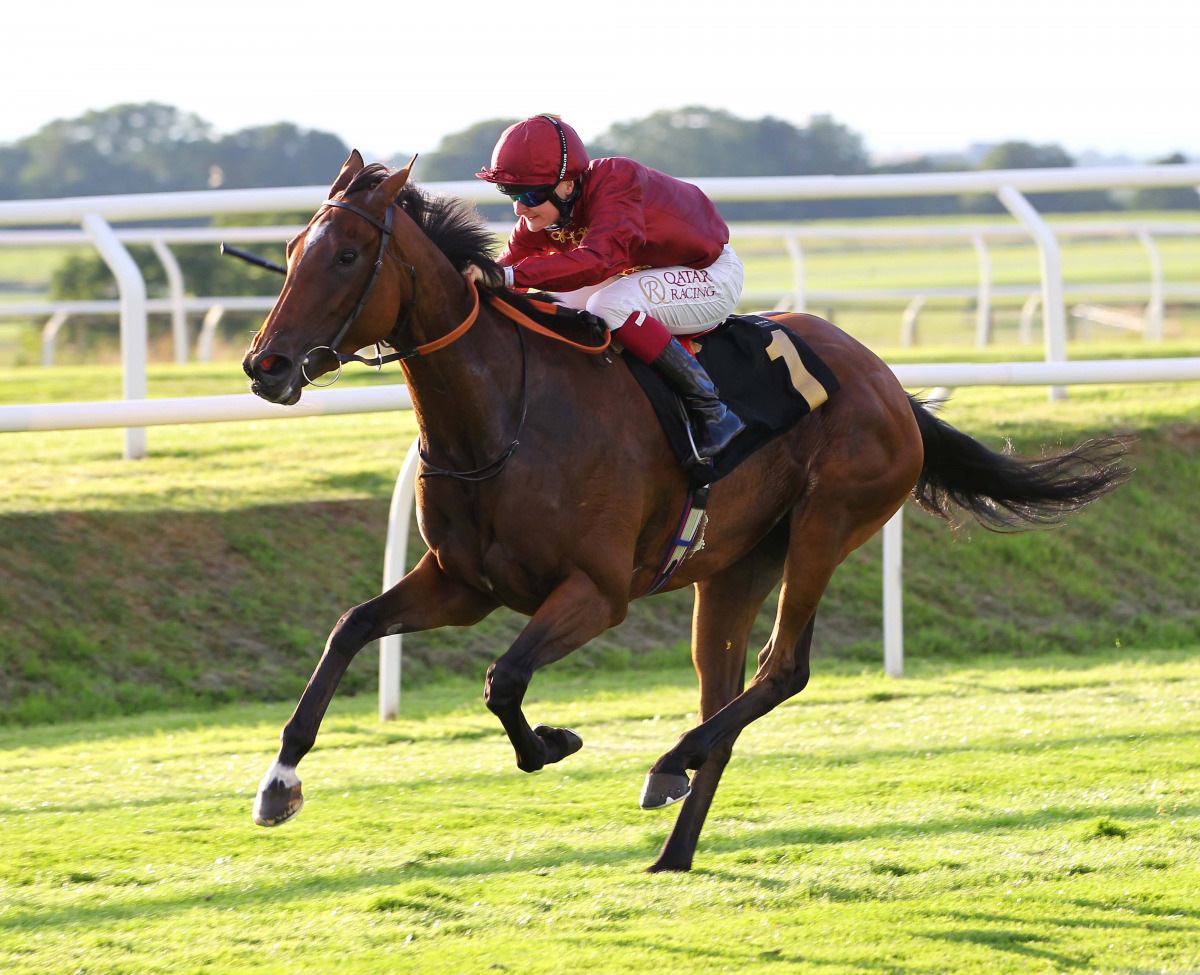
<point>341,292</point>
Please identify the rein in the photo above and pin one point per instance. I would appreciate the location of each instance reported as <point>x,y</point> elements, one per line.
<point>500,305</point>
<point>519,318</point>
<point>385,227</point>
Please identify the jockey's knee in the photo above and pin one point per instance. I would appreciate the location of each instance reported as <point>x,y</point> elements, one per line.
<point>609,308</point>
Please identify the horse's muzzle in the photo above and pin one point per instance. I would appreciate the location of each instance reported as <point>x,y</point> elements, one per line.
<point>274,377</point>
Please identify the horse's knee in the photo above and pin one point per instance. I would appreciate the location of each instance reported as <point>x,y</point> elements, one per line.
<point>353,631</point>
<point>504,687</point>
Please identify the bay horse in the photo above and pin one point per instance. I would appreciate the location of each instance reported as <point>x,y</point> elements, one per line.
<point>548,485</point>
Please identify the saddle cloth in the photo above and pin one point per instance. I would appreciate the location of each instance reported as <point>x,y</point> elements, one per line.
<point>763,371</point>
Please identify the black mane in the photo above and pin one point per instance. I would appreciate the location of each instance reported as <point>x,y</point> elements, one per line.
<point>456,227</point>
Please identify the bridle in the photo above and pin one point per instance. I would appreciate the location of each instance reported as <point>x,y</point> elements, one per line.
<point>484,473</point>
<point>385,226</point>
<point>521,321</point>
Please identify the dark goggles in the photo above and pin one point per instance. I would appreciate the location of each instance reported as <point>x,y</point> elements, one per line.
<point>530,196</point>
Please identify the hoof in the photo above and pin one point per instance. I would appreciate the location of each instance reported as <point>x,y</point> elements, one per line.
<point>664,867</point>
<point>558,742</point>
<point>278,798</point>
<point>663,789</point>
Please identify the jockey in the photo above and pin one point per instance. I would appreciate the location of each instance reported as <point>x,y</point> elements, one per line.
<point>647,253</point>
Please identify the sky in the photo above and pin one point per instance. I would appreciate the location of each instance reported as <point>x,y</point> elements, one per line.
<point>389,77</point>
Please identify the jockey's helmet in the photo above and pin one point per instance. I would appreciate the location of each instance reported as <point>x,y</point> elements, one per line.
<point>540,151</point>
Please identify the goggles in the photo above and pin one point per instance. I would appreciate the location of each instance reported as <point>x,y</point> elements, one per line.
<point>530,196</point>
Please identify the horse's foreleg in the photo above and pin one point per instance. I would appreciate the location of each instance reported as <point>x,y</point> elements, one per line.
<point>724,612</point>
<point>424,599</point>
<point>575,612</point>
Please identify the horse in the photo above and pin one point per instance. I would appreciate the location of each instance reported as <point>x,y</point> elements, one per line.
<point>547,485</point>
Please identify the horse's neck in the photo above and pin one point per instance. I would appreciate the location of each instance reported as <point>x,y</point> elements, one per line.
<point>466,395</point>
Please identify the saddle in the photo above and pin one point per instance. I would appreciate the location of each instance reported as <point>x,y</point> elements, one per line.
<point>763,371</point>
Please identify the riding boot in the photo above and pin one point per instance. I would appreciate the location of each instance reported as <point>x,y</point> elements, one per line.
<point>714,425</point>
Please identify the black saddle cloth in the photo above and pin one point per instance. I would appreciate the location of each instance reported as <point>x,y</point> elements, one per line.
<point>763,371</point>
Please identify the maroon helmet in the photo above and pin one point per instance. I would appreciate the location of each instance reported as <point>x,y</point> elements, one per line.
<point>541,151</point>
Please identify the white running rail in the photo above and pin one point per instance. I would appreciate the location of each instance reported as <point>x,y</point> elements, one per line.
<point>201,409</point>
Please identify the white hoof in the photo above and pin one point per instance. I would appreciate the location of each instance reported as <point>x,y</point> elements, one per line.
<point>279,797</point>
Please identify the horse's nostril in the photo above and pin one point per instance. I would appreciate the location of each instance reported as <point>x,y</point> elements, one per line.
<point>270,365</point>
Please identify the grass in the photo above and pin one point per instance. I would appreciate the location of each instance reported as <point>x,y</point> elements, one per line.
<point>212,571</point>
<point>989,818</point>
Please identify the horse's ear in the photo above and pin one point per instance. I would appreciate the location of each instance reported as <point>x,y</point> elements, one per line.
<point>350,169</point>
<point>390,188</point>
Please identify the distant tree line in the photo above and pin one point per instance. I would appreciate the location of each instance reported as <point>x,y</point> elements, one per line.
<point>154,147</point>
<point>696,141</point>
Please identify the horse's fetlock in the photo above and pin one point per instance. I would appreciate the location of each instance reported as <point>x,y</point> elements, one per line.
<point>503,689</point>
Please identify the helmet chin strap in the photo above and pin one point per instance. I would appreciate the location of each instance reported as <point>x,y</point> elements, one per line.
<point>566,207</point>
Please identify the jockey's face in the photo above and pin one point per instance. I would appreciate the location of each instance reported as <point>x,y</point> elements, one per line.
<point>542,216</point>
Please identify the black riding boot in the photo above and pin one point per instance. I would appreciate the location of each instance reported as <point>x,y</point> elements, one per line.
<point>714,425</point>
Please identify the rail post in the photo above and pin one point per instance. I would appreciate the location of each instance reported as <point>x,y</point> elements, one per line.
<point>50,335</point>
<point>175,288</point>
<point>131,288</point>
<point>799,284</point>
<point>1028,310</point>
<point>1054,309</point>
<point>893,595</point>
<point>1154,309</point>
<point>208,331</point>
<point>395,557</point>
<point>908,321</point>
<point>983,304</point>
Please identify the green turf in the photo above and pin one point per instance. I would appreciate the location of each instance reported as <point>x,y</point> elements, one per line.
<point>213,570</point>
<point>980,819</point>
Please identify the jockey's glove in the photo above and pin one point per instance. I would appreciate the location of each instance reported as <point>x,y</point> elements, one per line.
<point>494,277</point>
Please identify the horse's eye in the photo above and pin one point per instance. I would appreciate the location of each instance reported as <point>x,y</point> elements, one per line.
<point>348,256</point>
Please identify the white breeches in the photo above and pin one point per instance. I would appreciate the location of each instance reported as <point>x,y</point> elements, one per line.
<point>685,300</point>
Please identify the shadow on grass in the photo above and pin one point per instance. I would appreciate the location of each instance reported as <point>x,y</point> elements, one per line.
<point>1032,749</point>
<point>1114,923</point>
<point>1017,942</point>
<point>465,695</point>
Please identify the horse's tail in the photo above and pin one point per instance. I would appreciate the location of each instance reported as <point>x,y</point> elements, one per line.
<point>1004,492</point>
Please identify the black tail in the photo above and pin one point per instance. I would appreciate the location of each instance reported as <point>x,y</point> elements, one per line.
<point>1004,492</point>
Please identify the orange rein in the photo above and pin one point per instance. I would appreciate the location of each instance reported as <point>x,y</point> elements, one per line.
<point>508,311</point>
<point>458,332</point>
<point>521,318</point>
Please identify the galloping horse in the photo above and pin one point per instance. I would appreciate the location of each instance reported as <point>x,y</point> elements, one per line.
<point>549,487</point>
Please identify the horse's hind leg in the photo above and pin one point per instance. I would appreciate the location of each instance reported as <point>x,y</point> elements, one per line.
<point>724,612</point>
<point>817,545</point>
<point>424,599</point>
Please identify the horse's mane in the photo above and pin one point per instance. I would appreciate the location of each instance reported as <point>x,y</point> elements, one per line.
<point>455,227</point>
